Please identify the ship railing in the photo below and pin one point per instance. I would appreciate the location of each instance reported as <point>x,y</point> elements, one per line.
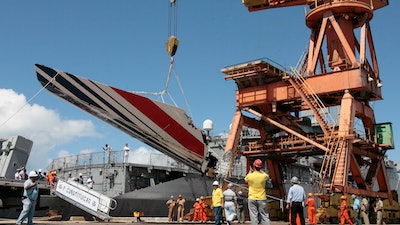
<point>88,160</point>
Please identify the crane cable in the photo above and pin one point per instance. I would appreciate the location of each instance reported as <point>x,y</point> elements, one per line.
<point>171,47</point>
<point>172,42</point>
<point>29,100</point>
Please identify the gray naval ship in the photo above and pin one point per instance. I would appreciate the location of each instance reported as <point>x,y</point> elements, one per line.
<point>141,184</point>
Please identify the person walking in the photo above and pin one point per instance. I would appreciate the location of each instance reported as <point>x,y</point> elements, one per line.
<point>295,199</point>
<point>257,199</point>
<point>310,203</point>
<point>216,206</point>
<point>240,207</point>
<point>356,208</point>
<point>181,207</point>
<point>229,204</point>
<point>171,208</point>
<point>344,211</point>
<point>364,210</point>
<point>29,197</point>
<point>379,210</point>
<point>203,213</point>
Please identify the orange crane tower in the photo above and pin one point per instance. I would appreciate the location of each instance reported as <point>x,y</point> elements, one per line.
<point>340,69</point>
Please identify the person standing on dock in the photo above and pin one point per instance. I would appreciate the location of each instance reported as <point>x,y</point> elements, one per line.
<point>197,211</point>
<point>29,197</point>
<point>181,207</point>
<point>365,210</point>
<point>356,208</point>
<point>295,199</point>
<point>126,153</point>
<point>310,203</point>
<point>229,204</point>
<point>204,206</point>
<point>240,207</point>
<point>379,210</point>
<point>171,208</point>
<point>257,200</point>
<point>216,205</point>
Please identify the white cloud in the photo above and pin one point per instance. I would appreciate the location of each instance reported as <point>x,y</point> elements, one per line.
<point>145,156</point>
<point>43,126</point>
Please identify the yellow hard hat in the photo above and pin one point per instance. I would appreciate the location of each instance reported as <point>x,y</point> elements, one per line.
<point>342,197</point>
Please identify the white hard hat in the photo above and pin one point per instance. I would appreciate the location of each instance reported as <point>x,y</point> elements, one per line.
<point>353,196</point>
<point>230,185</point>
<point>40,170</point>
<point>215,183</point>
<point>240,192</point>
<point>33,174</point>
<point>80,174</point>
<point>294,180</point>
<point>197,199</point>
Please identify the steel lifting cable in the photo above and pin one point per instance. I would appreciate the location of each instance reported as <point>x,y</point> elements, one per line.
<point>171,47</point>
<point>34,96</point>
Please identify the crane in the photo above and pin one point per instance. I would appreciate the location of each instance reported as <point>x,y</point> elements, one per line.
<point>340,69</point>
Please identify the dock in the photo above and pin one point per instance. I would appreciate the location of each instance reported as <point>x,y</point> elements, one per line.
<point>119,220</point>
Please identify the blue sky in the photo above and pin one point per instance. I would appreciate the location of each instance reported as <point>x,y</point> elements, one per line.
<point>122,43</point>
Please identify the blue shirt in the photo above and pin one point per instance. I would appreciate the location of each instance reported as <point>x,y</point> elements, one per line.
<point>33,192</point>
<point>356,204</point>
<point>296,194</point>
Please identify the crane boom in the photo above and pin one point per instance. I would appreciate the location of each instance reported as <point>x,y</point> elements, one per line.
<point>256,5</point>
<point>338,58</point>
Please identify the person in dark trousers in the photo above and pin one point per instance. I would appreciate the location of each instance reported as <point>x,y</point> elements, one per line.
<point>295,200</point>
<point>216,206</point>
<point>240,207</point>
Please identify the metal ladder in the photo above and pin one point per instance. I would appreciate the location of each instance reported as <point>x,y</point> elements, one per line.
<point>90,201</point>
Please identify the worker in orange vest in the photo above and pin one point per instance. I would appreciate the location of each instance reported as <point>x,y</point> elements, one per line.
<point>197,210</point>
<point>344,211</point>
<point>52,177</point>
<point>310,203</point>
<point>203,212</point>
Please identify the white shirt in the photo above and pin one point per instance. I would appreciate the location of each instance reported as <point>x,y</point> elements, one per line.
<point>90,182</point>
<point>22,174</point>
<point>17,176</point>
<point>296,194</point>
<point>126,149</point>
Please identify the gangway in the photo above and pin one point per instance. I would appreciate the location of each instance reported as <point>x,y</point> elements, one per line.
<point>83,197</point>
